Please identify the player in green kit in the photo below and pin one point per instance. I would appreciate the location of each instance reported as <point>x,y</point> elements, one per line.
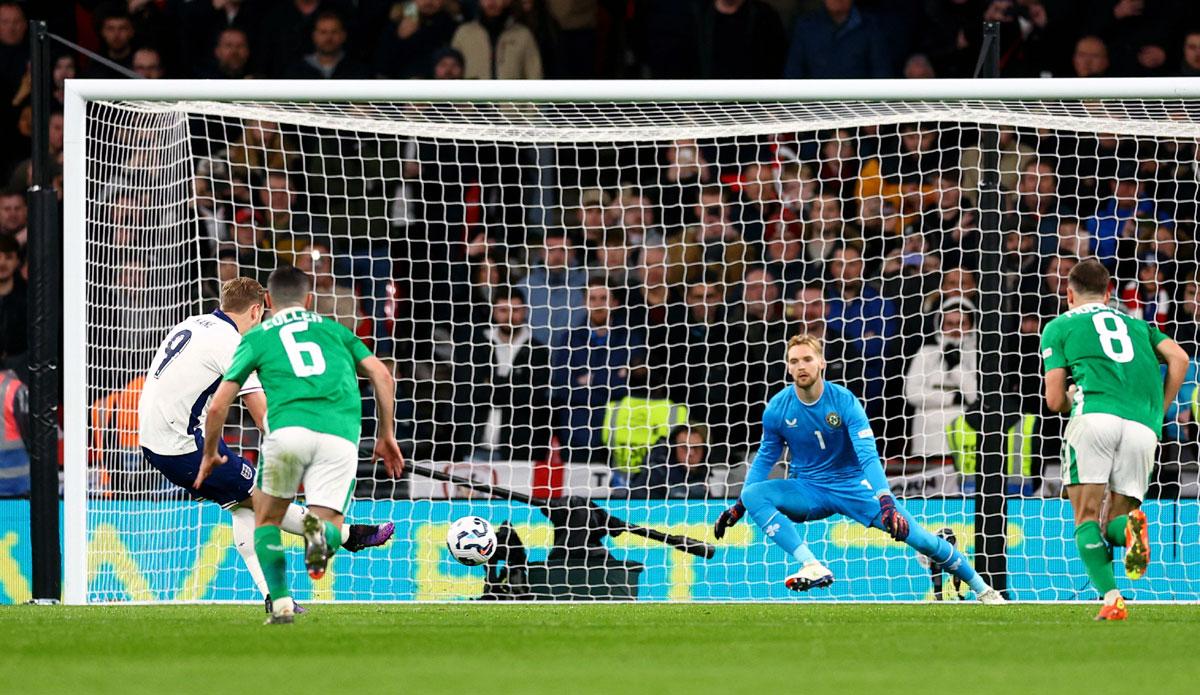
<point>309,367</point>
<point>1116,408</point>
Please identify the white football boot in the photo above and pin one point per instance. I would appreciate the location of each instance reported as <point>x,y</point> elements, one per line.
<point>813,575</point>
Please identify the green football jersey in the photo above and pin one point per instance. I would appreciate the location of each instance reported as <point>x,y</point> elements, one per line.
<point>307,365</point>
<point>1111,356</point>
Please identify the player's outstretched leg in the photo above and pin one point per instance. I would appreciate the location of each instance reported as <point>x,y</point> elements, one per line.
<point>360,536</point>
<point>774,504</point>
<point>938,550</point>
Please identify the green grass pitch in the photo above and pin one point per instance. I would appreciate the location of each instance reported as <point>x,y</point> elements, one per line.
<point>621,649</point>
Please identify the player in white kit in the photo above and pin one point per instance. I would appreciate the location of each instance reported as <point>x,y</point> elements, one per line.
<point>186,370</point>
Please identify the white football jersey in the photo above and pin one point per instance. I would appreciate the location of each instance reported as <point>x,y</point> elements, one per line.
<point>184,375</point>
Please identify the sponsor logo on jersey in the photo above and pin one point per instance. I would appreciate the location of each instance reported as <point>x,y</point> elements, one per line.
<point>833,420</point>
<point>1047,352</point>
<point>790,423</point>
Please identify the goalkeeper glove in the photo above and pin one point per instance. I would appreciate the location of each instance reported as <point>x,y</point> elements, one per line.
<point>893,521</point>
<point>728,518</point>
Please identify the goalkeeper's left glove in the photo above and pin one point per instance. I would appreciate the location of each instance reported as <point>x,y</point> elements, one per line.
<point>893,521</point>
<point>728,518</point>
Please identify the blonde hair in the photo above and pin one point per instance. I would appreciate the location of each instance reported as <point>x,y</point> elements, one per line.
<point>239,294</point>
<point>807,340</point>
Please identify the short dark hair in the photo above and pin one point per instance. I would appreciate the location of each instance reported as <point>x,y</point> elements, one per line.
<point>505,293</point>
<point>9,245</point>
<point>288,285</point>
<point>1089,277</point>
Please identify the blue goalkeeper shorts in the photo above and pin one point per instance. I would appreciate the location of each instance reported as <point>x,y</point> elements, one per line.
<point>802,500</point>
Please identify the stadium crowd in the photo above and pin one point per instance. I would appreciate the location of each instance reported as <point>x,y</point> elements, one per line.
<point>635,318</point>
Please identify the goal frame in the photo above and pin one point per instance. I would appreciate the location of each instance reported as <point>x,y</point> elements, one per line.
<point>79,93</point>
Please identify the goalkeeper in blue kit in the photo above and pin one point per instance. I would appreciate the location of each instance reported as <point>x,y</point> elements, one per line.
<point>834,469</point>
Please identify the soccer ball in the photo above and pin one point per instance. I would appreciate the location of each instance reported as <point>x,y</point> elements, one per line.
<point>471,540</point>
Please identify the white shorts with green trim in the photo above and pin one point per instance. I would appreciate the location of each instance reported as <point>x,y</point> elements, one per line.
<point>1108,450</point>
<point>324,463</point>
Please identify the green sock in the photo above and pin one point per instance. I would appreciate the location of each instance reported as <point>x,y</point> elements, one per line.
<point>333,537</point>
<point>268,547</point>
<point>1115,531</point>
<point>1096,556</point>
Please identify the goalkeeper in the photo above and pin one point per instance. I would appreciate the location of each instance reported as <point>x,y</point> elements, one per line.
<point>834,469</point>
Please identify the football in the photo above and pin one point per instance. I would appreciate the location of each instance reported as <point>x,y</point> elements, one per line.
<point>471,540</point>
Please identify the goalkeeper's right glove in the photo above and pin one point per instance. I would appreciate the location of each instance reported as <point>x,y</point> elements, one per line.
<point>728,518</point>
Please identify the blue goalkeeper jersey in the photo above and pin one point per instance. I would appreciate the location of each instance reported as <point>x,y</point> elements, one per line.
<point>831,442</point>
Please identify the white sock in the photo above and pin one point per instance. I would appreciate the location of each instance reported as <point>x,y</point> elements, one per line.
<point>243,540</point>
<point>293,522</point>
<point>1110,597</point>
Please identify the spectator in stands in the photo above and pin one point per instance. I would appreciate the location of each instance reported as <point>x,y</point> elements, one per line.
<point>14,217</point>
<point>588,219</point>
<point>837,41</point>
<point>418,29</point>
<point>448,64</point>
<point>1073,240</point>
<point>615,261</point>
<point>1035,207</point>
<point>253,244</point>
<point>1053,296</point>
<point>1114,225</point>
<point>147,62</point>
<point>741,39</point>
<point>918,67</point>
<point>1136,32</point>
<point>263,147</point>
<point>502,387</point>
<point>329,59</point>
<point>117,35</point>
<point>685,169</point>
<point>1091,57</point>
<point>593,368</point>
<point>637,431</point>
<point>942,378</point>
<point>334,299</point>
<point>291,225</point>
<point>63,70</point>
<point>715,242</point>
<point>1190,66</point>
<point>655,304</point>
<point>1146,297</point>
<point>765,327</point>
<point>1185,328</point>
<point>231,56</point>
<point>856,311</point>
<point>555,290</point>
<point>783,256</point>
<point>687,463</point>
<point>202,25</point>
<point>14,59</point>
<point>496,47</point>
<point>13,324</point>
<point>714,367</point>
<point>14,432</point>
<point>287,32</point>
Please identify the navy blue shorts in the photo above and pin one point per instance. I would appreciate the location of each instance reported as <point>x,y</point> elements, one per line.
<point>227,485</point>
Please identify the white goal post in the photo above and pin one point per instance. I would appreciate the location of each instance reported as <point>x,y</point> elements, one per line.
<point>370,159</point>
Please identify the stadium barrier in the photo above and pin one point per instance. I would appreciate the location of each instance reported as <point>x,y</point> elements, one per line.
<point>198,561</point>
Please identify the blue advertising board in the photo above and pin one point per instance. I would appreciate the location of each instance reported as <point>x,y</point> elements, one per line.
<point>163,551</point>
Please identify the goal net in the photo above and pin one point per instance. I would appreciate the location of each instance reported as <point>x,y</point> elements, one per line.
<point>590,301</point>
